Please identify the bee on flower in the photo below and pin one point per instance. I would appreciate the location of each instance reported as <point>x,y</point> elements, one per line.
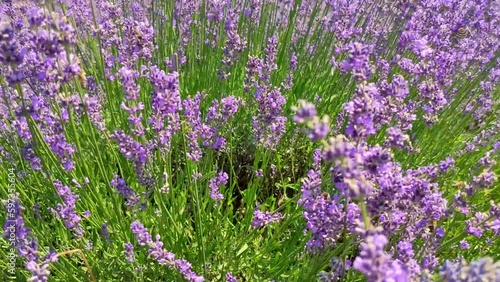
<point>461,32</point>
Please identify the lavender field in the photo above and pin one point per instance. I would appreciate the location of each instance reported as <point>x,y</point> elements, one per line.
<point>250,140</point>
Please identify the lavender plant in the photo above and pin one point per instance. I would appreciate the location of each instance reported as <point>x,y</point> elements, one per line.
<point>260,140</point>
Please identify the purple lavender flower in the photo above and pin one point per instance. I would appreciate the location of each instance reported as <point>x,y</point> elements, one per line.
<point>253,67</point>
<point>217,117</point>
<point>406,256</point>
<point>397,272</point>
<point>184,19</point>
<point>261,219</point>
<point>485,179</point>
<point>184,267</point>
<point>29,155</point>
<point>325,217</point>
<point>358,62</point>
<point>36,210</point>
<point>446,164</point>
<point>228,108</point>
<point>475,226</point>
<point>141,233</point>
<point>138,41</point>
<point>464,245</point>
<point>435,206</point>
<point>430,262</point>
<point>317,157</point>
<point>486,160</point>
<point>36,16</point>
<point>215,183</point>
<point>362,111</point>
<point>495,226</point>
<point>129,252</point>
<point>131,106</point>
<point>431,92</point>
<point>166,104</point>
<point>30,249</point>
<point>11,51</point>
<point>270,64</point>
<point>86,214</point>
<point>67,210</point>
<point>131,198</point>
<point>253,11</point>
<point>131,149</point>
<point>105,231</point>
<point>376,264</point>
<point>269,124</point>
<point>161,255</point>
<point>338,270</point>
<point>440,232</point>
<point>496,146</point>
<point>396,137</point>
<point>348,166</point>
<point>196,127</point>
<point>14,225</point>
<point>234,44</point>
<point>230,277</point>
<point>288,83</point>
<point>405,251</point>
<point>39,272</point>
<point>421,47</point>
<point>215,14</point>
<point>306,114</point>
<point>482,269</point>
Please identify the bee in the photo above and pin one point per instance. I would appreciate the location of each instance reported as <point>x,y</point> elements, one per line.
<point>138,34</point>
<point>82,78</point>
<point>432,226</point>
<point>473,125</point>
<point>461,32</point>
<point>459,184</point>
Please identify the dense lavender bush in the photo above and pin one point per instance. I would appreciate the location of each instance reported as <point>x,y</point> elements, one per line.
<point>259,140</point>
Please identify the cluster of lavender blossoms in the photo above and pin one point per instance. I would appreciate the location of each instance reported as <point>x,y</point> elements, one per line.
<point>159,254</point>
<point>261,219</point>
<point>209,130</point>
<point>214,185</point>
<point>67,210</point>
<point>372,197</point>
<point>269,123</point>
<point>25,243</point>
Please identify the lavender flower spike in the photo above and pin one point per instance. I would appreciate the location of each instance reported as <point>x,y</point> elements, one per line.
<point>306,114</point>
<point>161,255</point>
<point>230,277</point>
<point>216,183</point>
<point>261,219</point>
<point>67,210</point>
<point>129,252</point>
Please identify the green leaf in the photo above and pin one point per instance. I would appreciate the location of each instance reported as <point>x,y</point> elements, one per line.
<point>242,250</point>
